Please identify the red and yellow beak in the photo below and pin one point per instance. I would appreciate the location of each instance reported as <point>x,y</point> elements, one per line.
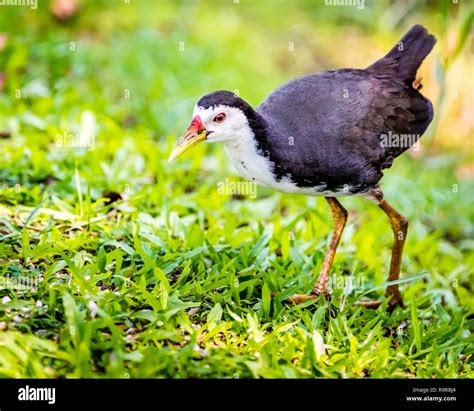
<point>195,134</point>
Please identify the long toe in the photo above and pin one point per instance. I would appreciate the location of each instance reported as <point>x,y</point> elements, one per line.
<point>369,304</point>
<point>301,298</point>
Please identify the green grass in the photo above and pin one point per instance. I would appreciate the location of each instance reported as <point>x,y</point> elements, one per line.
<point>174,279</point>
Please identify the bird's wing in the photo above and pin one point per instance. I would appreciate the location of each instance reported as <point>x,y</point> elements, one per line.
<point>397,117</point>
<point>329,127</point>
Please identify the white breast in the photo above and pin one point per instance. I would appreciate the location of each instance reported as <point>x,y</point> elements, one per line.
<point>243,155</point>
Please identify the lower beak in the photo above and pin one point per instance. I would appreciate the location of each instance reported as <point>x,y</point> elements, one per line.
<point>190,139</point>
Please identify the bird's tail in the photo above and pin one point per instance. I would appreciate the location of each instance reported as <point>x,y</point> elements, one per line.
<point>403,61</point>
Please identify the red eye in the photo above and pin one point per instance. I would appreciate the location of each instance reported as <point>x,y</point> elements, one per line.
<point>219,118</point>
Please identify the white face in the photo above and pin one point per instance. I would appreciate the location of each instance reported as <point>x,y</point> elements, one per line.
<point>224,123</point>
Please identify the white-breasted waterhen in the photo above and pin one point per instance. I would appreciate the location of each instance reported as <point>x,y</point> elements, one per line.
<point>326,135</point>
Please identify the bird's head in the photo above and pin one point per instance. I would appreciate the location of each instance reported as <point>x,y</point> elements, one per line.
<point>218,117</point>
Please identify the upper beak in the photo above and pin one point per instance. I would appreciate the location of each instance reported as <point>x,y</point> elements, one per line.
<point>195,134</point>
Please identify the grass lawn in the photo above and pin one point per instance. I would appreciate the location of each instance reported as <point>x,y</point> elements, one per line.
<point>115,263</point>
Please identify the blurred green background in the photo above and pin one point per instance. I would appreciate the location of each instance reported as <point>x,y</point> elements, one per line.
<point>144,270</point>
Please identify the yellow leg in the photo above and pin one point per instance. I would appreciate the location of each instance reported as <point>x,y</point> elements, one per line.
<point>339,215</point>
<point>399,228</point>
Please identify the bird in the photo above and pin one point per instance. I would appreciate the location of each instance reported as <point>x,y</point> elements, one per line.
<point>327,134</point>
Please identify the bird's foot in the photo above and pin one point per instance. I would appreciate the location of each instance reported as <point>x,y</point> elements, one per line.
<point>369,304</point>
<point>301,298</point>
<point>395,301</point>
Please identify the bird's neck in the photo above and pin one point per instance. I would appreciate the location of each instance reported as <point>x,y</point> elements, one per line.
<point>249,153</point>
<point>255,135</point>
